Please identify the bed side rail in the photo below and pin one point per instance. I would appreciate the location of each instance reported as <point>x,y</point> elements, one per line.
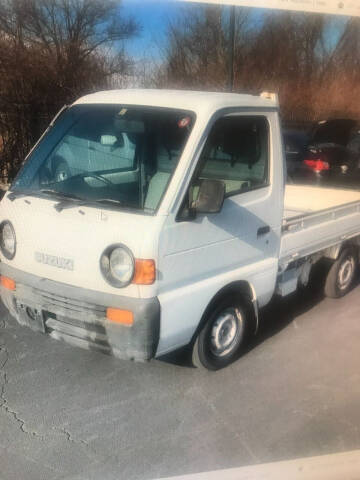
<point>302,221</point>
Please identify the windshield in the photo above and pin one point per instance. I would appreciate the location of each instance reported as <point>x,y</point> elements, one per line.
<point>108,153</point>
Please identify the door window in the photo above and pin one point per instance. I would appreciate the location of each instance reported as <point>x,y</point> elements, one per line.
<point>237,153</point>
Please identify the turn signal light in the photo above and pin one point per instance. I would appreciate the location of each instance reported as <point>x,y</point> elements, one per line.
<point>145,272</point>
<point>121,317</point>
<point>7,283</point>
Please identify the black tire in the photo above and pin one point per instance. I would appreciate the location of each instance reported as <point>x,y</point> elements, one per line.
<point>61,171</point>
<point>205,351</point>
<point>341,275</point>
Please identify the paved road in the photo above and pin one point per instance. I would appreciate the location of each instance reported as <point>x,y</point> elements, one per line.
<point>74,414</point>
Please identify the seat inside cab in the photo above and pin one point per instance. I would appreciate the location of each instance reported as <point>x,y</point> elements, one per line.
<point>168,149</point>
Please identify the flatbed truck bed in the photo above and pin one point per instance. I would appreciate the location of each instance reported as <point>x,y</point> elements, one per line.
<point>317,222</point>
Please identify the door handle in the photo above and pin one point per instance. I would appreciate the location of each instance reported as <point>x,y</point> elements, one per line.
<point>263,230</point>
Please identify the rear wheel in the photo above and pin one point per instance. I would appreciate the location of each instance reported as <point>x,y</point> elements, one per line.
<point>342,273</point>
<point>223,336</point>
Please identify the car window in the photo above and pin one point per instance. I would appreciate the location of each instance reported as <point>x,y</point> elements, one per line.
<point>294,145</point>
<point>291,146</point>
<point>354,144</point>
<point>93,145</point>
<point>237,152</point>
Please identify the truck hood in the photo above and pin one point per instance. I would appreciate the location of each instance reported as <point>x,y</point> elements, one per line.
<point>336,131</point>
<point>49,241</point>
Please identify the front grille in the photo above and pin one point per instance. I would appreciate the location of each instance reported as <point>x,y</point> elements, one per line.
<point>69,304</point>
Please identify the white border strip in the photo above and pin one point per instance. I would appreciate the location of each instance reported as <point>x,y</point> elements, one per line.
<point>338,466</point>
<point>334,7</point>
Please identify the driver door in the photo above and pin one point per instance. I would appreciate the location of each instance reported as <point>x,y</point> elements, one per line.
<point>200,256</point>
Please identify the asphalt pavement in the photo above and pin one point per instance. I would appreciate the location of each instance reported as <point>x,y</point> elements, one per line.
<point>68,413</point>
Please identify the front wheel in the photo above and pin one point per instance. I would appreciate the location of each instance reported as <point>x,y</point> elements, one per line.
<point>223,336</point>
<point>342,273</point>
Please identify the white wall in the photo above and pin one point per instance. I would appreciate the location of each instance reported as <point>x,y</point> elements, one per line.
<point>337,7</point>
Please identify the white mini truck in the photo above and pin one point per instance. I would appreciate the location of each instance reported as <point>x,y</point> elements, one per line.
<point>147,220</point>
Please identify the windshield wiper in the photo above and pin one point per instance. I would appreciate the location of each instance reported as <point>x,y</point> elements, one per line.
<point>66,198</point>
<point>13,195</point>
<point>78,202</point>
<point>59,194</point>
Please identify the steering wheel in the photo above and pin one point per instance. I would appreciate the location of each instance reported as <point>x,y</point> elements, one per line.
<point>97,177</point>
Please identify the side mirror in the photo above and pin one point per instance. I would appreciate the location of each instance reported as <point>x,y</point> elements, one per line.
<point>211,196</point>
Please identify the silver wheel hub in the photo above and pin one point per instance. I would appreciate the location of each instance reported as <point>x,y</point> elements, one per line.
<point>226,329</point>
<point>346,273</point>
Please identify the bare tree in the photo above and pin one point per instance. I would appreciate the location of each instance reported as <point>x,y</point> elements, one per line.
<point>287,55</point>
<point>52,51</point>
<point>293,54</point>
<point>346,55</point>
<point>197,47</point>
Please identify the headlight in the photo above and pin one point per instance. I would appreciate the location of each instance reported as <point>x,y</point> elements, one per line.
<point>117,265</point>
<point>7,240</point>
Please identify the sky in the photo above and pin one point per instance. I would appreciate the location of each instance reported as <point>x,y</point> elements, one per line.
<point>153,18</point>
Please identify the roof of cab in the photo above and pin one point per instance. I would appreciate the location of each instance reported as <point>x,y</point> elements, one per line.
<point>181,99</point>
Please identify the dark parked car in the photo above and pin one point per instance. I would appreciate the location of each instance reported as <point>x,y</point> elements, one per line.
<point>295,144</point>
<point>329,155</point>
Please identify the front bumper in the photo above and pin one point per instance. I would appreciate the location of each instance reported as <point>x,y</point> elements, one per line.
<point>78,316</point>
